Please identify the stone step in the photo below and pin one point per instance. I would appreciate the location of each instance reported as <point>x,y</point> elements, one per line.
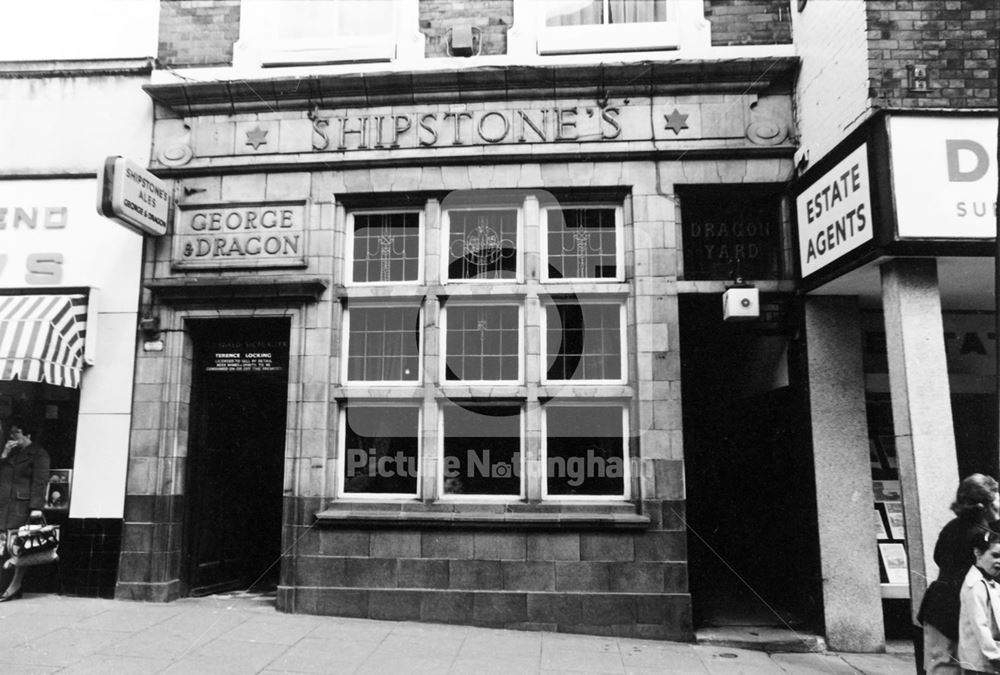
<point>760,638</point>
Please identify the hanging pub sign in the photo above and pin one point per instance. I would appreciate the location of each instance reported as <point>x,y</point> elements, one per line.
<point>133,197</point>
<point>730,230</point>
<point>268,234</point>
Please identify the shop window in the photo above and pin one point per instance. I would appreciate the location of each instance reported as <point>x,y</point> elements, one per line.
<point>482,244</point>
<point>482,451</point>
<point>583,341</point>
<point>383,344</point>
<point>387,247</point>
<point>482,343</point>
<point>582,243</point>
<point>275,33</point>
<point>380,450</point>
<point>585,451</point>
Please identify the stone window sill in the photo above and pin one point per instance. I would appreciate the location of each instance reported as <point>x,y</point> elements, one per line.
<point>448,515</point>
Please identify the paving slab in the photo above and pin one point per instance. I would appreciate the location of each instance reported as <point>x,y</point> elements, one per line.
<point>245,634</point>
<point>813,664</point>
<point>881,664</point>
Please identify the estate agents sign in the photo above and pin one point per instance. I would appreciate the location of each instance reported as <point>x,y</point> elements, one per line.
<point>835,213</point>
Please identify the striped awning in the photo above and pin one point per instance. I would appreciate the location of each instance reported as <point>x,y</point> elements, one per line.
<point>42,338</point>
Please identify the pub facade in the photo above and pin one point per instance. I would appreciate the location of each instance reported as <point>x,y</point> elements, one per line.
<point>442,339</point>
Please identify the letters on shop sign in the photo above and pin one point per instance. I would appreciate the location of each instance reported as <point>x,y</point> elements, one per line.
<point>825,199</point>
<point>959,151</point>
<point>458,128</point>
<point>251,234</point>
<point>44,267</point>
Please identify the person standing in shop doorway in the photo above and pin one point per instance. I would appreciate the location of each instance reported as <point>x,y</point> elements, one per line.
<point>24,473</point>
<point>977,510</point>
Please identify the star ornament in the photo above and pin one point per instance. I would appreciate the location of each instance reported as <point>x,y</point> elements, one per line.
<point>676,121</point>
<point>257,137</point>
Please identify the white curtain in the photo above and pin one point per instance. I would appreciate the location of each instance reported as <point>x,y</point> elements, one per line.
<point>636,11</point>
<point>590,12</point>
<point>574,13</point>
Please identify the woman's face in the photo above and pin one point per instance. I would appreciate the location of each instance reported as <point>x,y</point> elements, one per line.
<point>17,435</point>
<point>994,507</point>
<point>989,560</point>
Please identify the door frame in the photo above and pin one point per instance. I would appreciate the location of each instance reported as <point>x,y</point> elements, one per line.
<point>184,377</point>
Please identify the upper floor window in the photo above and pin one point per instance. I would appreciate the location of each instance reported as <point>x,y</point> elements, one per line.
<point>606,26</point>
<point>277,33</point>
<point>590,12</point>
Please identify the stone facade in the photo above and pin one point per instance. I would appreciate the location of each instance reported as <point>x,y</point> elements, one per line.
<point>603,566</point>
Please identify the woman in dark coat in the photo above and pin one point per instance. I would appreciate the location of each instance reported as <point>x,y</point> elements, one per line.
<point>977,510</point>
<point>24,473</point>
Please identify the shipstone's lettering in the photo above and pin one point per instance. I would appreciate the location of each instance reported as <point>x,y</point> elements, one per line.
<point>434,129</point>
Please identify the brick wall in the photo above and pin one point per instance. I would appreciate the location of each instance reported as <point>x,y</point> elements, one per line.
<point>492,17</point>
<point>198,32</point>
<point>955,39</point>
<point>749,22</point>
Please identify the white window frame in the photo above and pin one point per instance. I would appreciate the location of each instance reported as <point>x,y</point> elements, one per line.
<point>346,341</point>
<point>446,244</point>
<point>684,29</point>
<point>443,343</point>
<point>622,336</point>
<point>341,471</point>
<point>619,244</point>
<point>349,248</point>
<point>254,50</point>
<point>465,497</point>
<point>626,459</point>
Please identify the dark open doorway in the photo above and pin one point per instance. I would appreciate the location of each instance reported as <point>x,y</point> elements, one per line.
<point>748,464</point>
<point>236,454</point>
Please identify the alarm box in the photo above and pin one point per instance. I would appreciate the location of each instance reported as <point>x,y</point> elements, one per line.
<point>740,304</point>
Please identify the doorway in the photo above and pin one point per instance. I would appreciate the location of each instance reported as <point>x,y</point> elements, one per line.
<point>236,452</point>
<point>751,503</point>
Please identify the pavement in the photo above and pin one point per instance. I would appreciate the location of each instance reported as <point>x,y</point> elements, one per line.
<point>240,633</point>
